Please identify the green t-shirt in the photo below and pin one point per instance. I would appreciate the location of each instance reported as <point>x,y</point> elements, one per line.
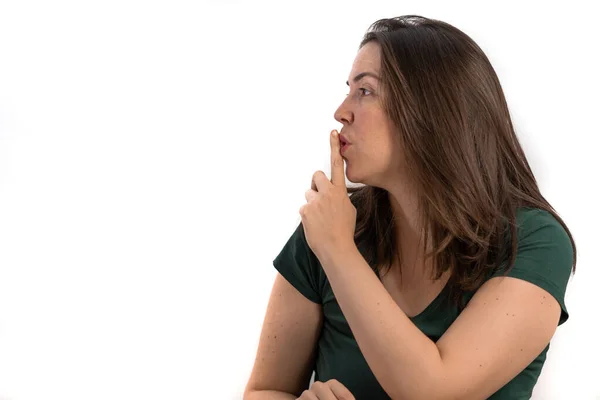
<point>544,258</point>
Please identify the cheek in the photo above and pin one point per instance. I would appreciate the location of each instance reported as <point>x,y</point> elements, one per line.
<point>383,154</point>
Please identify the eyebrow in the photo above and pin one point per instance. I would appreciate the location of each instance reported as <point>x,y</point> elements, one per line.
<point>362,75</point>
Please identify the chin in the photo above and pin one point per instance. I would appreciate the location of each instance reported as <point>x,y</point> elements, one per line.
<point>360,178</point>
<point>351,176</point>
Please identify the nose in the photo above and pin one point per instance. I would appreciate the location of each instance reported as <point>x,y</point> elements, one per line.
<point>343,114</point>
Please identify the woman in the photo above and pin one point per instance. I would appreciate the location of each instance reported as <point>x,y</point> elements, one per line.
<point>444,275</point>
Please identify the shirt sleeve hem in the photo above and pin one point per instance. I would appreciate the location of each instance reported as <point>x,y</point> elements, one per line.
<point>545,284</point>
<point>292,279</point>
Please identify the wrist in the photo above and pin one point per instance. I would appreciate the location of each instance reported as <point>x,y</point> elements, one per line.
<point>339,256</point>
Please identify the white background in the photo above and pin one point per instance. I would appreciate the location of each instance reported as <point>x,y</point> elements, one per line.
<point>154,155</point>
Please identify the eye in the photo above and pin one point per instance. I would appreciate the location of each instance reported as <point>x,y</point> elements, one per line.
<point>362,89</point>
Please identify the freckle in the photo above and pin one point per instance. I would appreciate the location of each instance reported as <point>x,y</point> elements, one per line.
<point>506,313</point>
<point>521,349</point>
<point>480,365</point>
<point>275,336</point>
<point>496,298</point>
<point>513,315</point>
<point>268,337</point>
<point>377,303</point>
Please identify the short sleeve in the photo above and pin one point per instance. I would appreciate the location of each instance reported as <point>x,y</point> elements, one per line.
<point>300,267</point>
<point>544,255</point>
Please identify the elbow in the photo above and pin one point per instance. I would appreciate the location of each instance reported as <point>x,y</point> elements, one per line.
<point>414,391</point>
<point>267,395</point>
<point>429,387</point>
<point>251,395</point>
<point>431,393</point>
<point>422,395</point>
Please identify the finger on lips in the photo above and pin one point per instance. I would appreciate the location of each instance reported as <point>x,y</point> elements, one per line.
<point>337,166</point>
<point>337,162</point>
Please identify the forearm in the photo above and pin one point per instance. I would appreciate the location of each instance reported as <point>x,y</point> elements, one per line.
<point>405,361</point>
<point>269,395</point>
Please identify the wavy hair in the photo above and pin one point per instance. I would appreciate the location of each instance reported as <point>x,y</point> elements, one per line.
<point>447,105</point>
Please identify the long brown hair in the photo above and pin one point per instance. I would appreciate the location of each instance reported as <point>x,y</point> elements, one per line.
<point>446,103</point>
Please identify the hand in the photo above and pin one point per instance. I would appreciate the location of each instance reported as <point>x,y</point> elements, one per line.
<point>329,217</point>
<point>330,390</point>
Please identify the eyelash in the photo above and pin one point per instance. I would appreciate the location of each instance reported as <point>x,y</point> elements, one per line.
<point>363,89</point>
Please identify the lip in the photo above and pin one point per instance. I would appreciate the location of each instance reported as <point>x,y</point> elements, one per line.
<point>344,139</point>
<point>344,148</point>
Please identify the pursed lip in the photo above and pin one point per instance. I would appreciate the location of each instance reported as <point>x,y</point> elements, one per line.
<point>344,148</point>
<point>344,140</point>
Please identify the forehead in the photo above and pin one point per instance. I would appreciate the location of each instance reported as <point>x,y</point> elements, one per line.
<point>366,60</point>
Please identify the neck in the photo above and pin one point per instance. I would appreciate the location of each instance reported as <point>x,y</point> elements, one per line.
<point>405,209</point>
<point>408,232</point>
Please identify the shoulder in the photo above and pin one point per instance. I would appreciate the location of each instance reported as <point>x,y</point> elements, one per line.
<point>530,220</point>
<point>544,253</point>
<point>541,234</point>
<point>297,263</point>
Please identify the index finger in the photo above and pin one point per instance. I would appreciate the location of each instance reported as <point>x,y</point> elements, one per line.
<point>337,162</point>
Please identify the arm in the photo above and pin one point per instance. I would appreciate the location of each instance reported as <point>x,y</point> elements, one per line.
<point>286,350</point>
<point>268,395</point>
<point>505,326</point>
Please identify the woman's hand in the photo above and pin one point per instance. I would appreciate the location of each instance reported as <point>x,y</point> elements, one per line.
<point>330,390</point>
<point>329,217</point>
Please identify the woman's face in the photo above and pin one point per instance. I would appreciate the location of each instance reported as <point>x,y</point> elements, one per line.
<point>372,157</point>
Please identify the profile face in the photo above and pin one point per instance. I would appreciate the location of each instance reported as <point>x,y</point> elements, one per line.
<point>372,155</point>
